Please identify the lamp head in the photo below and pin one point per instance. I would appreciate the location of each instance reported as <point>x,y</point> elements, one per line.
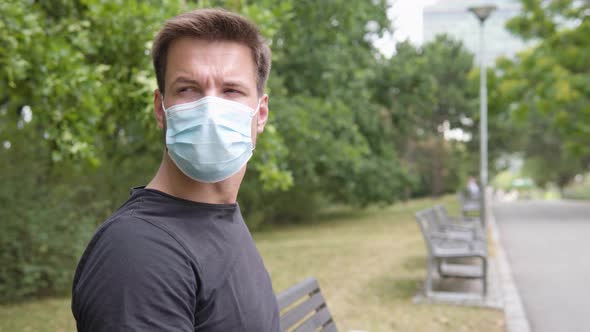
<point>482,12</point>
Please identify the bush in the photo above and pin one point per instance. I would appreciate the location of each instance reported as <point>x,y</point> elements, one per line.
<point>49,211</point>
<point>42,238</point>
<point>45,226</point>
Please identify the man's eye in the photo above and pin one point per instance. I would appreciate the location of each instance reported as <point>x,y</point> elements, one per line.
<point>233,91</point>
<point>185,89</point>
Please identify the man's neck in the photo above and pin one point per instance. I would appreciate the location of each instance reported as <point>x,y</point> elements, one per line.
<point>171,180</point>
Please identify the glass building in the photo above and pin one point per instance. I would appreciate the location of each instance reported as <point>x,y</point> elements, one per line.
<point>453,18</point>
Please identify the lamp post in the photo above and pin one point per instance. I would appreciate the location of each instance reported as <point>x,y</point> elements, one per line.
<point>482,13</point>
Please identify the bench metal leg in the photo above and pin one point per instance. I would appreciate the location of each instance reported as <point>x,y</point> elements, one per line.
<point>484,263</point>
<point>430,271</point>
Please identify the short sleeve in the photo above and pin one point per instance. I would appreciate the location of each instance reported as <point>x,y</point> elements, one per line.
<point>134,277</point>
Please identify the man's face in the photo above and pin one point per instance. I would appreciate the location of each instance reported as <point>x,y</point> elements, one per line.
<point>197,68</point>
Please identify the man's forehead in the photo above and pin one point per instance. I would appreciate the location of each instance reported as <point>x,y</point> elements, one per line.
<point>195,57</point>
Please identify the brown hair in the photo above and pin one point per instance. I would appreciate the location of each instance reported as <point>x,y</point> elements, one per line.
<point>212,25</point>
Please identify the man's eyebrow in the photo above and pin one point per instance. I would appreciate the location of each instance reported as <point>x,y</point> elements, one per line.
<point>184,79</point>
<point>235,84</point>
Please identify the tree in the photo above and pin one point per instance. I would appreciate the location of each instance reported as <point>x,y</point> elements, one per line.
<point>321,106</point>
<point>541,96</point>
<point>553,75</point>
<point>425,89</point>
<point>77,130</point>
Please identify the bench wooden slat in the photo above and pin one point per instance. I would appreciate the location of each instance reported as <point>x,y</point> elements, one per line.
<point>463,251</point>
<point>298,291</point>
<point>462,270</point>
<point>301,310</point>
<point>331,327</point>
<point>318,319</point>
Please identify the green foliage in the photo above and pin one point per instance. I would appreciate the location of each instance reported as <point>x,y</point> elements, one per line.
<point>44,228</point>
<point>321,106</point>
<point>87,84</point>
<point>423,89</point>
<point>77,130</point>
<point>579,189</point>
<point>547,159</point>
<point>545,93</point>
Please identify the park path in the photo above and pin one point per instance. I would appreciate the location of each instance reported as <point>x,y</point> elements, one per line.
<point>548,249</point>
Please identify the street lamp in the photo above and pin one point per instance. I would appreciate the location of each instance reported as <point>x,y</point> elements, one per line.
<point>482,13</point>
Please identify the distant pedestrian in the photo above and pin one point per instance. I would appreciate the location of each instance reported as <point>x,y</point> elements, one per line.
<point>472,187</point>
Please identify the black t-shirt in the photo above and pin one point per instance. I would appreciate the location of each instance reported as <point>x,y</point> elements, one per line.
<point>161,263</point>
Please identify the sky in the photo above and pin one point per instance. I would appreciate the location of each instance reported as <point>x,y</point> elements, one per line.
<point>407,21</point>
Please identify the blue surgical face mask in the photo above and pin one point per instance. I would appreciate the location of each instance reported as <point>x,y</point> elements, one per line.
<point>210,139</point>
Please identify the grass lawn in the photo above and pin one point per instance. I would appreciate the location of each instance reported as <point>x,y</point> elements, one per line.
<point>580,190</point>
<point>369,264</point>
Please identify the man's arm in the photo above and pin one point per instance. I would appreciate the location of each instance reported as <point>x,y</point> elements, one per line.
<point>135,277</point>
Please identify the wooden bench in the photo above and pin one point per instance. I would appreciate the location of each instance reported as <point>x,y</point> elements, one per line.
<point>470,206</point>
<point>448,223</point>
<point>445,247</point>
<point>304,309</point>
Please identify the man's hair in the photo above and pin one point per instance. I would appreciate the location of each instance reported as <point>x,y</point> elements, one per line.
<point>212,25</point>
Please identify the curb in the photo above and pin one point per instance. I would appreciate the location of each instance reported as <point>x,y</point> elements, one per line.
<point>514,314</point>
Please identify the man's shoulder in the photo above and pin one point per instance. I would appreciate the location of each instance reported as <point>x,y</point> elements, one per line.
<point>120,225</point>
<point>131,273</point>
<point>128,234</point>
<point>126,237</point>
<point>128,227</point>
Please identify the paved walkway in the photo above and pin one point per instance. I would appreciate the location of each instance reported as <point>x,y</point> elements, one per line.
<point>548,248</point>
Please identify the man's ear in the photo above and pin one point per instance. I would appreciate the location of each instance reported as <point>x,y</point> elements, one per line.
<point>262,114</point>
<point>158,110</point>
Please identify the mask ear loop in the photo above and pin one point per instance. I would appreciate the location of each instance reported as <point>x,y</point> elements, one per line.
<point>254,114</point>
<point>162,100</point>
<point>164,109</point>
<point>257,107</point>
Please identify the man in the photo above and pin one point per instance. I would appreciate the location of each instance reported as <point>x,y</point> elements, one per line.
<point>177,255</point>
